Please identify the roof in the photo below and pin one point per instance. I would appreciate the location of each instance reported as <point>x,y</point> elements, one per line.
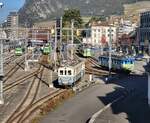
<point>70,63</point>
<point>102,24</point>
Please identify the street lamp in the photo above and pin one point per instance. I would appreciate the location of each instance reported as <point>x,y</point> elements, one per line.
<point>110,50</point>
<point>1,4</point>
<point>110,53</point>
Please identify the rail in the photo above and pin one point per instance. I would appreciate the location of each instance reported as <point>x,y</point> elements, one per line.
<point>31,93</point>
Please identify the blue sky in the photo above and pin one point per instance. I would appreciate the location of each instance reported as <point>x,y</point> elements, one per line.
<point>9,5</point>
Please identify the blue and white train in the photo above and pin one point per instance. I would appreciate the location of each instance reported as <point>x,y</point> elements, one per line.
<point>122,63</point>
<point>69,75</point>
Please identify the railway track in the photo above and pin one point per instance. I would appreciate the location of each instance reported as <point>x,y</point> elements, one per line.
<point>29,102</point>
<point>98,73</point>
<point>13,70</point>
<point>9,60</point>
<point>20,80</point>
<point>28,99</point>
<point>92,67</point>
<point>90,64</point>
<point>36,105</point>
<point>24,111</point>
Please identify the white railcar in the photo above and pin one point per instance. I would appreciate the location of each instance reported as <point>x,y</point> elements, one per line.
<point>70,74</point>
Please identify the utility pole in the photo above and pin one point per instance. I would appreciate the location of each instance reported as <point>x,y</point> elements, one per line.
<point>1,72</point>
<point>61,55</point>
<point>26,43</point>
<point>110,50</point>
<point>49,43</point>
<point>72,37</point>
<point>34,31</point>
<point>67,43</point>
<point>55,47</point>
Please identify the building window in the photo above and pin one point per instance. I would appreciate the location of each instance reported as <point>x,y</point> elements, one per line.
<point>111,30</point>
<point>111,35</point>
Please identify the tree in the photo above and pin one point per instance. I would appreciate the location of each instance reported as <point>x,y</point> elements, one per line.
<point>96,19</point>
<point>72,14</point>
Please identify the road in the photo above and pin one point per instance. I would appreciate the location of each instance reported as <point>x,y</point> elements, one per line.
<point>81,107</point>
<point>134,108</point>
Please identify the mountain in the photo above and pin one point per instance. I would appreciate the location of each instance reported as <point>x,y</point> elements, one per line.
<point>39,10</point>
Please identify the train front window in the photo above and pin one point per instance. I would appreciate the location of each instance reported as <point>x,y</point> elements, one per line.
<point>61,72</point>
<point>69,72</point>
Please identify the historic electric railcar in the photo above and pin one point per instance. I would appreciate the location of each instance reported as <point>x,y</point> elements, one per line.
<point>47,49</point>
<point>69,75</point>
<point>125,64</point>
<point>85,51</point>
<point>18,51</point>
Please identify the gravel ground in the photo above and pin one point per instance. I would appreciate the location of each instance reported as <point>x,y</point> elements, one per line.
<point>11,99</point>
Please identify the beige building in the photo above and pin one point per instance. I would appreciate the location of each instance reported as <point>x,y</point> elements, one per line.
<point>100,34</point>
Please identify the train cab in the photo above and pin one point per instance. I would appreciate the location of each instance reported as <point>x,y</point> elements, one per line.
<point>18,51</point>
<point>70,74</point>
<point>65,76</point>
<point>128,63</point>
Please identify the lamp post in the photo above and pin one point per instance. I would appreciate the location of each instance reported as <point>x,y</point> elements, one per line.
<point>110,50</point>
<point>26,50</point>
<point>72,37</point>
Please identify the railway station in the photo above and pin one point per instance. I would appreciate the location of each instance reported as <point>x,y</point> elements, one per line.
<point>68,70</point>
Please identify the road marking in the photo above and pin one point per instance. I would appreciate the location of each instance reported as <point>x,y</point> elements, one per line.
<point>93,118</point>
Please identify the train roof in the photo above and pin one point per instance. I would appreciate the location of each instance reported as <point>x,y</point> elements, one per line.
<point>70,63</point>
